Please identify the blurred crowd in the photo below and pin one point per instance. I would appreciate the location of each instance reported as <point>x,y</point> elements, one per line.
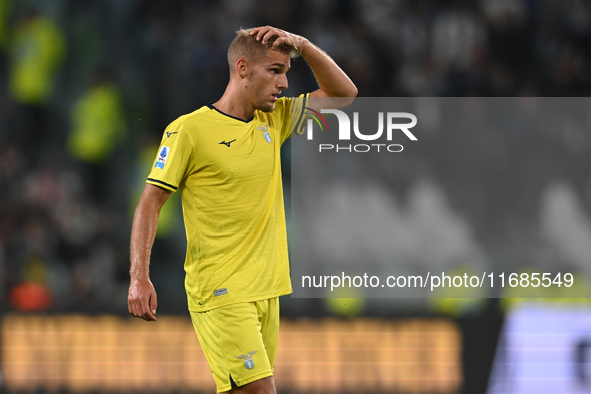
<point>87,88</point>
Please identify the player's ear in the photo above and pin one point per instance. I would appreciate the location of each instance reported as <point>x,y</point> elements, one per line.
<point>242,67</point>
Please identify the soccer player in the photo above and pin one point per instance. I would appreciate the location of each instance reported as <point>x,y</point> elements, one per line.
<point>224,159</point>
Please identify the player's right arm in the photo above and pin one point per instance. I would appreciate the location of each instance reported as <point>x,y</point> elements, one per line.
<point>141,299</point>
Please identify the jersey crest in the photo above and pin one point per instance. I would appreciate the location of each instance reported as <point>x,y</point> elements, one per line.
<point>265,132</point>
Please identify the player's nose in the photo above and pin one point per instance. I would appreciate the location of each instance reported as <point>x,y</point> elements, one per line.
<point>282,83</point>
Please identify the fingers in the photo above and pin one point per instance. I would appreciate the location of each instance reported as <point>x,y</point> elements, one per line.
<point>132,305</point>
<point>135,308</point>
<point>142,310</point>
<point>146,313</point>
<point>142,304</point>
<point>153,304</point>
<point>281,40</point>
<point>268,35</point>
<point>265,33</point>
<point>260,31</point>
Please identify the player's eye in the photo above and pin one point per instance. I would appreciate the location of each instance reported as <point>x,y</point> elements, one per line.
<point>275,70</point>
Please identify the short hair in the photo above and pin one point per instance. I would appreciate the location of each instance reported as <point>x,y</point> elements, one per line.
<point>246,46</point>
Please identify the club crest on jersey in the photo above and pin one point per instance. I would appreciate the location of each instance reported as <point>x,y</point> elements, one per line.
<point>265,132</point>
<point>162,156</point>
<point>248,361</point>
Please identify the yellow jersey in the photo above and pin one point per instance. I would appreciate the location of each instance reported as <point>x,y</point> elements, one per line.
<point>229,173</point>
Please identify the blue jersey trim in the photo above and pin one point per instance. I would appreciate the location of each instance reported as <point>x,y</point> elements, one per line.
<point>210,105</point>
<point>163,183</point>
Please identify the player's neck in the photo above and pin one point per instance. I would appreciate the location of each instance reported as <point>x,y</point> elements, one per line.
<point>234,103</point>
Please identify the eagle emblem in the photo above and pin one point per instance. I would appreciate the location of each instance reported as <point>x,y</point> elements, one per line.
<point>265,132</point>
<point>248,361</point>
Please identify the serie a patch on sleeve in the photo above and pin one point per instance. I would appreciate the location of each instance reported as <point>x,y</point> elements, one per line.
<point>162,156</point>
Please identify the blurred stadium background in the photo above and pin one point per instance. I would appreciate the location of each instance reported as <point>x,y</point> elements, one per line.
<point>86,90</point>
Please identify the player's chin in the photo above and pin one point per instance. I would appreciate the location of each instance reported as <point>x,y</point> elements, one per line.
<point>267,106</point>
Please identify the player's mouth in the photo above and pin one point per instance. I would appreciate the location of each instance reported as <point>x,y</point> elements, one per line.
<point>274,96</point>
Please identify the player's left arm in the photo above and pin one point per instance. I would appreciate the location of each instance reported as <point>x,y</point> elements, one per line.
<point>332,80</point>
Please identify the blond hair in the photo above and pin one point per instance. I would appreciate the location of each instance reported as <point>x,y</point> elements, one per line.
<point>246,46</point>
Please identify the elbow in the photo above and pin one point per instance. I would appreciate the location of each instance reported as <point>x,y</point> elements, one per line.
<point>343,91</point>
<point>350,90</point>
<point>349,95</point>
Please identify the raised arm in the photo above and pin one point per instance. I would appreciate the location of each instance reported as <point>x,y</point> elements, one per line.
<point>333,82</point>
<point>141,299</point>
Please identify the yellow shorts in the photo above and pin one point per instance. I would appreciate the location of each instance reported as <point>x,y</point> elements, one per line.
<point>239,341</point>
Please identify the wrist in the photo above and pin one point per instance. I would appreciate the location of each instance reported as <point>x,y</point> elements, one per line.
<point>140,278</point>
<point>303,46</point>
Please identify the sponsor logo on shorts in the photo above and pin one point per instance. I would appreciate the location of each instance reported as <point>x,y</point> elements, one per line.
<point>248,361</point>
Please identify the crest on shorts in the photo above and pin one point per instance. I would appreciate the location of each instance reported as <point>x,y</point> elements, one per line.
<point>248,361</point>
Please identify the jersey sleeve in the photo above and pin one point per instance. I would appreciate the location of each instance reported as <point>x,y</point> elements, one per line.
<point>175,159</point>
<point>293,121</point>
